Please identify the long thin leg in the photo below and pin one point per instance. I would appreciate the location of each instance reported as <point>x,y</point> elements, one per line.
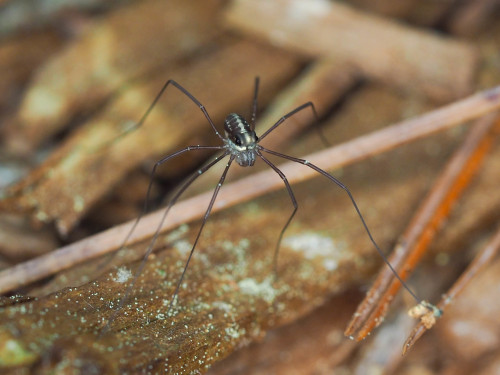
<point>291,113</point>
<point>185,92</point>
<point>207,214</point>
<point>295,207</point>
<point>148,194</point>
<point>254,103</point>
<point>183,188</point>
<point>343,187</point>
<point>153,172</point>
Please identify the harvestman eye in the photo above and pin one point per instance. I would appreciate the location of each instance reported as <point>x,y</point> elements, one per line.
<point>244,149</point>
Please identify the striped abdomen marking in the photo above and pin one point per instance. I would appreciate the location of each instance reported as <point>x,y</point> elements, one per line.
<point>241,139</point>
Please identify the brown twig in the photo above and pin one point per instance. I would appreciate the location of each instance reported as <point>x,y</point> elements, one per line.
<point>253,186</point>
<point>425,224</point>
<point>480,261</point>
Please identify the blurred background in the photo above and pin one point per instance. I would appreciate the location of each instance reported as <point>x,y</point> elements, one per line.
<point>77,75</point>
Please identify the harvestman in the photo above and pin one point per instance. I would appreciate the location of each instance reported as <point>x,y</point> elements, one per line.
<point>241,144</point>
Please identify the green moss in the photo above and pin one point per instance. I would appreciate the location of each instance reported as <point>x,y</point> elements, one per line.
<point>12,352</point>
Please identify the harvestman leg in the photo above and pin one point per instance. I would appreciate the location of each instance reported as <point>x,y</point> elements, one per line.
<point>205,218</point>
<point>254,103</point>
<point>172,201</point>
<point>185,92</point>
<point>163,160</point>
<point>152,175</point>
<point>155,101</point>
<point>290,114</point>
<point>148,194</point>
<point>343,187</point>
<point>287,116</point>
<point>230,151</point>
<point>181,190</point>
<point>276,169</point>
<point>295,207</point>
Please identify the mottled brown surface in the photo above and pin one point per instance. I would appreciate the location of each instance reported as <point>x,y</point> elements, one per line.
<point>18,58</point>
<point>472,326</point>
<point>131,42</point>
<point>379,48</point>
<point>228,298</point>
<point>231,258</point>
<point>86,165</point>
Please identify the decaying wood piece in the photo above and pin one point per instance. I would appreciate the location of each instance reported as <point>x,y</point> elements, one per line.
<point>393,53</point>
<point>313,344</point>
<point>228,300</point>
<point>128,43</point>
<point>93,159</point>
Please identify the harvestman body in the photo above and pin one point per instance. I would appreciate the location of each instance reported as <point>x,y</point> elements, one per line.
<point>241,144</point>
